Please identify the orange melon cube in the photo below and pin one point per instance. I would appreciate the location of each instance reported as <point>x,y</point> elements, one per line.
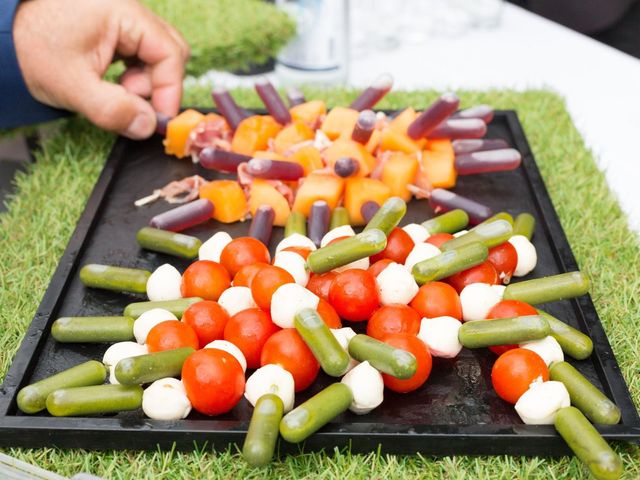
<point>308,112</point>
<point>439,168</point>
<point>291,135</point>
<point>339,121</point>
<point>441,145</point>
<point>397,142</point>
<point>318,187</point>
<point>229,201</point>
<point>253,133</point>
<point>348,148</point>
<point>263,193</point>
<point>309,157</point>
<point>178,130</point>
<point>402,121</point>
<point>397,172</point>
<point>359,190</point>
<point>374,141</point>
<point>268,155</point>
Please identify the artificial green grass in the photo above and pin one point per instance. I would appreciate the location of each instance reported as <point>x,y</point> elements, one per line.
<point>50,198</point>
<point>227,34</point>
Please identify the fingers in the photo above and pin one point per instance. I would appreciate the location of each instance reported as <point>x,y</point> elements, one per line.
<point>137,80</point>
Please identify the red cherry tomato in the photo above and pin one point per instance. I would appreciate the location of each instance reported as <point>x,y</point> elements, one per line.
<point>483,273</point>
<point>379,266</point>
<point>249,330</point>
<point>170,335</point>
<point>354,295</point>
<point>245,275</point>
<point>439,238</point>
<point>509,309</point>
<point>205,279</point>
<point>243,251</point>
<point>414,345</point>
<point>515,370</point>
<point>320,284</point>
<point>302,251</point>
<point>437,299</point>
<point>287,349</point>
<point>329,314</point>
<point>399,246</point>
<point>504,258</point>
<point>208,319</point>
<point>214,381</point>
<point>266,282</point>
<point>393,319</point>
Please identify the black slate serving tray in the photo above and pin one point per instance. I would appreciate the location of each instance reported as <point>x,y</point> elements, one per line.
<point>455,412</point>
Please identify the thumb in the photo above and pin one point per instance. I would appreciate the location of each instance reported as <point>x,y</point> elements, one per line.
<point>112,107</point>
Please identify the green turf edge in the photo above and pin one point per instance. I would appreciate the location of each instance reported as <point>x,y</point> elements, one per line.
<point>50,198</point>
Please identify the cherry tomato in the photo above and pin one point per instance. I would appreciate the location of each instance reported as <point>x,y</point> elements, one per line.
<point>483,273</point>
<point>302,251</point>
<point>249,330</point>
<point>379,266</point>
<point>320,284</point>
<point>266,282</point>
<point>243,251</point>
<point>515,370</point>
<point>509,309</point>
<point>437,299</point>
<point>208,319</point>
<point>329,314</point>
<point>287,349</point>
<point>399,246</point>
<point>439,238</point>
<point>245,275</point>
<point>205,279</point>
<point>393,319</point>
<point>504,258</point>
<point>214,381</point>
<point>354,295</point>
<point>414,345</point>
<point>170,335</point>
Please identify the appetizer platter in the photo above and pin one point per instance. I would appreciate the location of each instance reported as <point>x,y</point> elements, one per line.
<point>343,276</point>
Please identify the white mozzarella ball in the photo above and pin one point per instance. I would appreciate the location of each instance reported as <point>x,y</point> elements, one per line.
<point>499,289</point>
<point>271,379</point>
<point>229,348</point>
<point>117,352</point>
<point>149,319</point>
<point>212,248</point>
<point>477,299</point>
<point>396,285</point>
<point>344,336</point>
<point>367,387</point>
<point>460,233</point>
<point>548,348</point>
<point>417,232</point>
<point>166,399</point>
<point>296,240</point>
<point>288,300</point>
<point>338,232</point>
<point>164,284</point>
<point>420,252</point>
<point>541,402</point>
<point>440,334</point>
<point>527,255</point>
<point>361,264</point>
<point>236,299</point>
<point>295,265</point>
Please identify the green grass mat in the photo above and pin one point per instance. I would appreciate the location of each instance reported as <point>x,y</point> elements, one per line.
<point>49,199</point>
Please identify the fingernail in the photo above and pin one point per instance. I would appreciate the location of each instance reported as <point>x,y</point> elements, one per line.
<point>141,127</point>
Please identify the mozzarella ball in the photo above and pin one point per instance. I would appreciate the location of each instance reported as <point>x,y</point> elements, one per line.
<point>117,352</point>
<point>295,265</point>
<point>229,348</point>
<point>499,289</point>
<point>271,379</point>
<point>166,399</point>
<point>527,255</point>
<point>164,284</point>
<point>417,232</point>
<point>440,334</point>
<point>212,248</point>
<point>396,285</point>
<point>541,402</point>
<point>460,233</point>
<point>149,319</point>
<point>367,387</point>
<point>361,264</point>
<point>338,232</point>
<point>288,300</point>
<point>548,348</point>
<point>236,299</point>
<point>344,336</point>
<point>477,299</point>
<point>420,252</point>
<point>296,240</point>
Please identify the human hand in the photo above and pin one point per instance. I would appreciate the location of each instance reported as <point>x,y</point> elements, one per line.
<point>64,47</point>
